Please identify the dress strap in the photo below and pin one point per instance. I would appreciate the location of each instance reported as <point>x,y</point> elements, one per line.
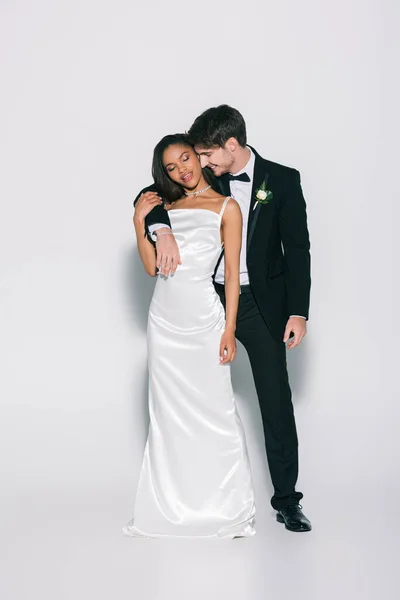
<point>221,212</point>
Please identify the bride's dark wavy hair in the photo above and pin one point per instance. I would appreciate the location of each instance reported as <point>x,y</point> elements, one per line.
<point>168,189</point>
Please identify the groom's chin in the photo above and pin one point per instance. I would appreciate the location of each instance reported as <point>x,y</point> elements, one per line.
<point>217,171</point>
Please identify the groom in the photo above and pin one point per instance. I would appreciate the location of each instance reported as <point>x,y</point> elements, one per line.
<point>274,281</point>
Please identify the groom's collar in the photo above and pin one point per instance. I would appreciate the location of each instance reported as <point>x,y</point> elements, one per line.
<point>258,173</point>
<point>249,167</point>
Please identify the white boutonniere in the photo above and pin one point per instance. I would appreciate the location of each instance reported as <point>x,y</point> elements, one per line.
<point>263,195</point>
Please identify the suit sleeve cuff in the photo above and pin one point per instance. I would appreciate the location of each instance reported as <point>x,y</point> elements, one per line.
<point>153,228</point>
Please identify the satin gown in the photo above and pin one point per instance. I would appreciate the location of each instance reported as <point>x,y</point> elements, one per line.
<point>195,479</point>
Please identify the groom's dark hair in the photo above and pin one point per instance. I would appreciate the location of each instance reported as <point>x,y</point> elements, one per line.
<point>216,125</point>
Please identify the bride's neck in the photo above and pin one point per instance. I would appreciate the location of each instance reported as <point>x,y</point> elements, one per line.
<point>200,186</point>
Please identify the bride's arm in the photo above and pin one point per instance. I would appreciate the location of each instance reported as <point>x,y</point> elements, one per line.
<point>158,216</point>
<point>146,249</point>
<point>157,224</point>
<point>232,237</point>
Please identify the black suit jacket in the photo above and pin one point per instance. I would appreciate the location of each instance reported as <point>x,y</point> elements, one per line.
<point>278,246</point>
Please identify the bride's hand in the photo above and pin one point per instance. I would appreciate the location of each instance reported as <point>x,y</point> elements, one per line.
<point>145,204</point>
<point>227,348</point>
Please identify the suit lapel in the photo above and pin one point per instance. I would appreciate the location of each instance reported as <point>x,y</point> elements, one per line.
<point>260,175</point>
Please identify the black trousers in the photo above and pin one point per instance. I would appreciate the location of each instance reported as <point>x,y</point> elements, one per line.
<point>268,363</point>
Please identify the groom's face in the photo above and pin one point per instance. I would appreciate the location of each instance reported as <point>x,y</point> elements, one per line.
<point>218,159</point>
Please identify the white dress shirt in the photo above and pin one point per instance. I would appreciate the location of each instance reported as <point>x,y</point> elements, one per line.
<point>241,192</point>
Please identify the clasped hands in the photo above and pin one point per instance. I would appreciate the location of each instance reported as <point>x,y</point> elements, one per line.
<point>168,256</point>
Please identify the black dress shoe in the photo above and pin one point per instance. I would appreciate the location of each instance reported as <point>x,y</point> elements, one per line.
<point>293,518</point>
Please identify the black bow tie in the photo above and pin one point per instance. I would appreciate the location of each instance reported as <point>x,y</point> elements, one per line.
<point>241,177</point>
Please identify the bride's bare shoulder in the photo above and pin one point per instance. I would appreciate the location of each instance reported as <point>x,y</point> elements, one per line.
<point>170,205</point>
<point>217,197</point>
<point>216,200</point>
<point>232,209</point>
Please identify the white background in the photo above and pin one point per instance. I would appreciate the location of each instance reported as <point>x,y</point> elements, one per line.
<point>88,89</point>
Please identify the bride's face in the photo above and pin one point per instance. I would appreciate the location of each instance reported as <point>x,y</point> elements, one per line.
<point>182,165</point>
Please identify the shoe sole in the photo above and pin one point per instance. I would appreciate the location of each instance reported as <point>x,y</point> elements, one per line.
<point>280,519</point>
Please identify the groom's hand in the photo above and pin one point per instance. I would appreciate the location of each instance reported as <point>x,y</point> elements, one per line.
<point>298,326</point>
<point>168,257</point>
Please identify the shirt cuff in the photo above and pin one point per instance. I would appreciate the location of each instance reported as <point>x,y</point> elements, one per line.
<point>153,228</point>
<point>301,316</point>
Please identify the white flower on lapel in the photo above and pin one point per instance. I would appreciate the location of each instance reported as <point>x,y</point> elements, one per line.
<point>263,195</point>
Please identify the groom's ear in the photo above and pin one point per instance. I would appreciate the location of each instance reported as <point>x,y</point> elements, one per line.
<point>231,144</point>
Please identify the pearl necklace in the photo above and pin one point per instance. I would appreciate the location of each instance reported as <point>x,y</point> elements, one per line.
<point>198,192</point>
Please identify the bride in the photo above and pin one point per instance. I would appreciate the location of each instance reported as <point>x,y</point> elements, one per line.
<point>195,479</point>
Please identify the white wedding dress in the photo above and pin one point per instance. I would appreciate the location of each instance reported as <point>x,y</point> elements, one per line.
<point>195,479</point>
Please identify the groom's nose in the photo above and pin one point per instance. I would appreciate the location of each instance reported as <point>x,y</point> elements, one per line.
<point>203,161</point>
